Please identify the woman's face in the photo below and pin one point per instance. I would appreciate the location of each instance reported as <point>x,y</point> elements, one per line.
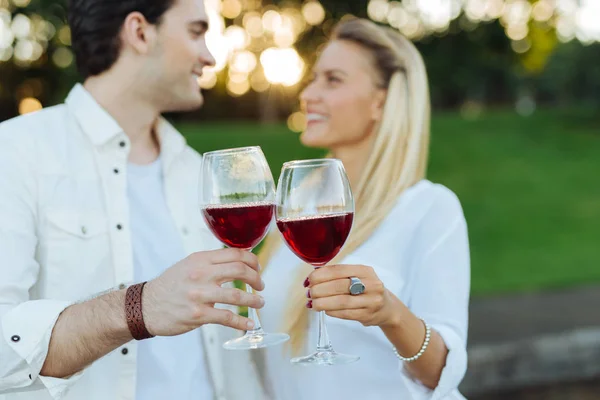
<point>342,102</point>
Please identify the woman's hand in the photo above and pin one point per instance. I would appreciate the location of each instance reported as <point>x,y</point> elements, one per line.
<point>329,291</point>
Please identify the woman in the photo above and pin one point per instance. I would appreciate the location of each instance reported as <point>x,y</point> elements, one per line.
<point>368,104</point>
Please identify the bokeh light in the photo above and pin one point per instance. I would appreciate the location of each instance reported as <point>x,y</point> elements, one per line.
<point>284,36</point>
<point>237,38</point>
<point>21,26</point>
<point>244,61</point>
<point>517,32</point>
<point>231,8</point>
<point>208,79</point>
<point>237,77</point>
<point>237,89</point>
<point>29,105</point>
<point>397,16</point>
<point>521,46</point>
<point>296,122</point>
<point>258,82</point>
<point>296,19</point>
<point>24,51</point>
<point>313,12</point>
<point>282,66</point>
<point>44,30</point>
<point>271,20</point>
<point>542,11</point>
<point>62,57</point>
<point>377,10</point>
<point>21,3</point>
<point>64,35</point>
<point>253,24</point>
<point>588,21</point>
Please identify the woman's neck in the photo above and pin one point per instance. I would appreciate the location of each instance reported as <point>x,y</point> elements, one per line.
<point>354,157</point>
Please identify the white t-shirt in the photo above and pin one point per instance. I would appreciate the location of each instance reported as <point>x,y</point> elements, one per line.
<point>168,367</point>
<point>421,253</point>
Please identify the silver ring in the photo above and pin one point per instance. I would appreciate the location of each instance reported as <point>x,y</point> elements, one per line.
<point>356,286</point>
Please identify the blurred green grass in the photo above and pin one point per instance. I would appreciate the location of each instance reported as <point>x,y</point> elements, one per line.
<point>529,187</point>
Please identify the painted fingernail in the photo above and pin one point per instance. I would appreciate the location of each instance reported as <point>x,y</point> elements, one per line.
<point>309,304</point>
<point>306,282</point>
<point>308,293</point>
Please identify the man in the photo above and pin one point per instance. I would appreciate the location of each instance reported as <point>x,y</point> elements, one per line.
<point>100,193</point>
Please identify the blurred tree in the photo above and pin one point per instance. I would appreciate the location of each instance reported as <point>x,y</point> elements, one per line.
<point>477,58</point>
<point>572,76</point>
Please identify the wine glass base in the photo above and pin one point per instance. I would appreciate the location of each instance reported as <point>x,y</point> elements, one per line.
<point>256,339</point>
<point>325,358</point>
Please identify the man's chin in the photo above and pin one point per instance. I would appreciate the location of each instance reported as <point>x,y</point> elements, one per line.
<point>192,103</point>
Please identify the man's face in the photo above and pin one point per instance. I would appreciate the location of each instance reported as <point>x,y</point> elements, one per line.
<point>180,54</point>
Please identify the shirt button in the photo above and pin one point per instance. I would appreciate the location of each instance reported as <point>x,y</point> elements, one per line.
<point>116,171</point>
<point>185,231</point>
<point>124,351</point>
<point>122,286</point>
<point>122,143</point>
<point>15,338</point>
<point>119,226</point>
<point>84,230</point>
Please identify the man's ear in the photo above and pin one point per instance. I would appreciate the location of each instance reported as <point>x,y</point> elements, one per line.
<point>138,34</point>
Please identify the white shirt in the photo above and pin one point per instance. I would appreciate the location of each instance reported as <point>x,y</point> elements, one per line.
<point>420,252</point>
<point>165,367</point>
<point>65,236</point>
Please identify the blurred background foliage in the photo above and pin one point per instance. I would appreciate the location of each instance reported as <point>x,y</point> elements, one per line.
<point>480,53</point>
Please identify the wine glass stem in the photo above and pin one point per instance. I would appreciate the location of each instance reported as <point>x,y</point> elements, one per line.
<point>253,315</point>
<point>324,343</point>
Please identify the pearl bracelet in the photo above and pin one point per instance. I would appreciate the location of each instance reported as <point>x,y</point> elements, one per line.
<point>423,348</point>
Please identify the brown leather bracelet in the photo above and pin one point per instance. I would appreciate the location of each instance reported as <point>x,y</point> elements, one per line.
<point>133,312</point>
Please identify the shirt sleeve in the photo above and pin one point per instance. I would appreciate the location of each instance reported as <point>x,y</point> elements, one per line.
<point>25,325</point>
<point>441,285</point>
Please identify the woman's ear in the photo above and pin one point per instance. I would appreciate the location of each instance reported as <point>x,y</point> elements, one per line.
<point>378,104</point>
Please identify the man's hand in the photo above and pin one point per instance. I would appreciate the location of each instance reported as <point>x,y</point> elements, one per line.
<point>179,300</point>
<point>183,297</point>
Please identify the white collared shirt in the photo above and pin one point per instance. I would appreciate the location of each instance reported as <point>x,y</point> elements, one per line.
<point>65,237</point>
<point>164,367</point>
<point>421,254</point>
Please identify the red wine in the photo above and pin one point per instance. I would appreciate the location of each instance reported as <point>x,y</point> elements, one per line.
<point>316,239</point>
<point>241,225</point>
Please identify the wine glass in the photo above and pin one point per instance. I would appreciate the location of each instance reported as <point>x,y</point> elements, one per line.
<point>314,212</point>
<point>237,201</point>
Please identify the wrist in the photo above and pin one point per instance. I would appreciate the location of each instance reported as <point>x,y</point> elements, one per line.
<point>134,312</point>
<point>148,309</point>
<point>394,317</point>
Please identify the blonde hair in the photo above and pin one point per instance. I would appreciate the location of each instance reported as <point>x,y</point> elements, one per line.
<point>398,158</point>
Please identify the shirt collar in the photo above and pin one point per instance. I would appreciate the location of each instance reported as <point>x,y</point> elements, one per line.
<point>94,120</point>
<point>101,127</point>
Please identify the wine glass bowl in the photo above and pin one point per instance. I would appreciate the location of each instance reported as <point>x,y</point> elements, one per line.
<point>237,195</point>
<point>314,213</point>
